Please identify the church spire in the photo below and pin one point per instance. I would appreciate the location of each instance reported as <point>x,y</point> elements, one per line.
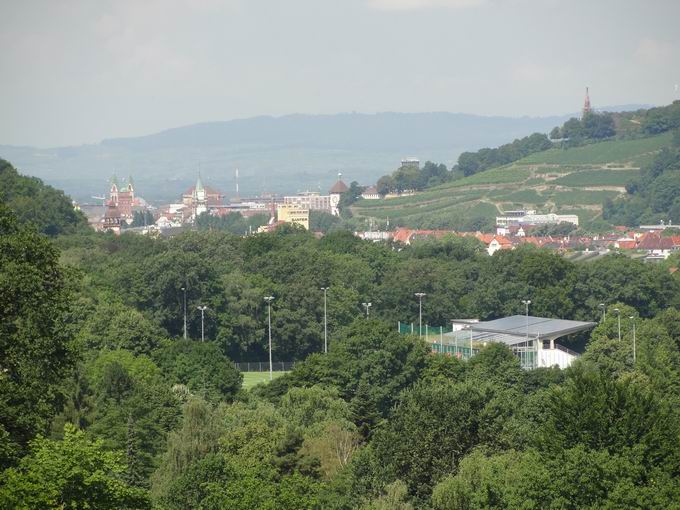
<point>586,103</point>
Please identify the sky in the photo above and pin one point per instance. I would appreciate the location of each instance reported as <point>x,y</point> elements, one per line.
<point>79,71</point>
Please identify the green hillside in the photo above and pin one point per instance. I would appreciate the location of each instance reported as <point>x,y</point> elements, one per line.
<point>575,180</point>
<point>48,209</point>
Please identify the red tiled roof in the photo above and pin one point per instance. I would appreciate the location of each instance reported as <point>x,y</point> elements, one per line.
<point>503,241</point>
<point>339,187</point>
<point>485,238</point>
<point>653,241</point>
<point>627,244</point>
<point>402,235</point>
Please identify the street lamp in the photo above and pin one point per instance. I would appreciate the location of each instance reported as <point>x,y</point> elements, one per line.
<point>184,289</point>
<point>526,303</point>
<point>269,300</point>
<point>632,317</point>
<point>202,309</point>
<point>604,311</point>
<point>367,306</point>
<point>325,321</point>
<point>618,315</point>
<point>420,296</point>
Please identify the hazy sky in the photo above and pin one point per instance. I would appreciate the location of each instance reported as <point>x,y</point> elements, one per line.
<point>76,72</point>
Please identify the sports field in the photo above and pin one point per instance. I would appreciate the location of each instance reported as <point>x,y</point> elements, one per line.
<point>250,379</point>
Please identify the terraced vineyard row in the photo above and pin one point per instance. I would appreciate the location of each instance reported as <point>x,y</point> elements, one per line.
<point>574,180</point>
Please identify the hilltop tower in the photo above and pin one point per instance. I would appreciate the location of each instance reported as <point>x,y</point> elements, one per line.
<point>586,103</point>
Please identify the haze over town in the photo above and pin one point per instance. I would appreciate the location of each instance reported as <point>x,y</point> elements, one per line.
<point>82,72</point>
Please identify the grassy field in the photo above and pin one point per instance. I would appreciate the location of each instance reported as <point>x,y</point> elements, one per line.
<point>250,379</point>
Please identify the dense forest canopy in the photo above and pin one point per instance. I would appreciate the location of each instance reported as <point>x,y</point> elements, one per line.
<point>49,209</point>
<point>105,404</point>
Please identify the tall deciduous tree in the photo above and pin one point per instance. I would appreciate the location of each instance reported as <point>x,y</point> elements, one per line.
<point>35,350</point>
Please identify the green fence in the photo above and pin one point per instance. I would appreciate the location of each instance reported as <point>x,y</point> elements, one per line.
<point>459,351</point>
<point>428,331</point>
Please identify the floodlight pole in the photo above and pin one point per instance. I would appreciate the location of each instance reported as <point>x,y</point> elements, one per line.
<point>632,317</point>
<point>367,306</point>
<point>269,300</point>
<point>420,296</point>
<point>526,303</point>
<point>604,311</point>
<point>618,315</point>
<point>325,321</point>
<point>184,289</point>
<point>470,328</point>
<point>202,309</point>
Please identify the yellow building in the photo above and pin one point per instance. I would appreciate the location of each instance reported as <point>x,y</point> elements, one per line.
<point>291,213</point>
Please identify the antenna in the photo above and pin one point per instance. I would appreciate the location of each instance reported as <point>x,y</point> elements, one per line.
<point>237,181</point>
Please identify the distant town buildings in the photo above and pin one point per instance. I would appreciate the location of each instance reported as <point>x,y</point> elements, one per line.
<point>119,207</point>
<point>200,198</point>
<point>514,221</point>
<point>335,193</point>
<point>370,193</point>
<point>311,200</point>
<point>291,213</point>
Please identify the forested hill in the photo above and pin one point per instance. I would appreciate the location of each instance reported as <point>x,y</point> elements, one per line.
<point>32,201</point>
<point>601,161</point>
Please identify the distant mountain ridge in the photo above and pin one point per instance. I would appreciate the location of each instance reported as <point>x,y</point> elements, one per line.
<point>281,154</point>
<point>345,131</point>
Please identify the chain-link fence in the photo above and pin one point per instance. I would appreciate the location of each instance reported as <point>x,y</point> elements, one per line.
<point>428,331</point>
<point>263,366</point>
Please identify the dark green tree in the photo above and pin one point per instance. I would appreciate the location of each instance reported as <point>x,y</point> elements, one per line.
<point>36,352</point>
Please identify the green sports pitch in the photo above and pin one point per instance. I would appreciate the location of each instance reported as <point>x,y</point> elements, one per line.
<point>250,379</point>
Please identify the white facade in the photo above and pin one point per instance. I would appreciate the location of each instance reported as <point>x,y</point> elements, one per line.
<point>531,218</point>
<point>555,355</point>
<point>311,200</point>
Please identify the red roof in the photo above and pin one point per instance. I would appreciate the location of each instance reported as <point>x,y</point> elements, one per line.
<point>503,241</point>
<point>405,235</point>
<point>339,187</point>
<point>402,235</point>
<point>653,241</point>
<point>485,238</point>
<point>627,244</point>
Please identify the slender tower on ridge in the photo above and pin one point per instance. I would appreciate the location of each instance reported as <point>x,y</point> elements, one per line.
<point>586,103</point>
